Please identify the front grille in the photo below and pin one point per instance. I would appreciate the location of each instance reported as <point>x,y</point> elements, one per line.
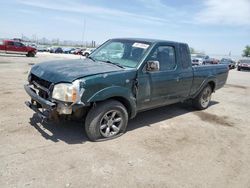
<point>40,81</point>
<point>42,86</point>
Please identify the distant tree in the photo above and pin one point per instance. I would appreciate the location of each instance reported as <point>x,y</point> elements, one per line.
<point>246,51</point>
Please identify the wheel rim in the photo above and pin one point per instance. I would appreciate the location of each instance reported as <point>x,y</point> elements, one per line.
<point>205,98</point>
<point>110,123</point>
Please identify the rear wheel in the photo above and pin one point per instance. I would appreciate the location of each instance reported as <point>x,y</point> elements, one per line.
<point>203,99</point>
<point>238,68</point>
<point>106,120</point>
<point>30,54</point>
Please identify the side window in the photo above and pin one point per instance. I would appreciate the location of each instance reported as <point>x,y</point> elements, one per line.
<point>185,58</point>
<point>18,44</point>
<point>166,57</point>
<point>10,43</point>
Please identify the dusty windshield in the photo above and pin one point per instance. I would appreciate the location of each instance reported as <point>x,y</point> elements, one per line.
<point>126,53</point>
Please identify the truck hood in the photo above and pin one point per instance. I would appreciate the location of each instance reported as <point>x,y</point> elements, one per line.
<point>70,70</point>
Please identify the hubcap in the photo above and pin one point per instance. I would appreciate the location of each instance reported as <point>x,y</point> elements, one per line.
<point>205,98</point>
<point>110,123</point>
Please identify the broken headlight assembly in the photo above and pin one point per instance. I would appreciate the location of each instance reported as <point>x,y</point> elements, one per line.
<point>68,92</point>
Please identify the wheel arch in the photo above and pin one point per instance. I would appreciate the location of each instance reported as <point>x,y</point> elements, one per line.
<point>211,81</point>
<point>117,93</point>
<point>212,85</point>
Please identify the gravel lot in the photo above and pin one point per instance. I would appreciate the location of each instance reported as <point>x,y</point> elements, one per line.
<point>172,146</point>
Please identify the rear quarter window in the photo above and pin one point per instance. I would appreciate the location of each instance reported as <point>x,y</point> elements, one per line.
<point>185,57</point>
<point>1,42</point>
<point>10,43</point>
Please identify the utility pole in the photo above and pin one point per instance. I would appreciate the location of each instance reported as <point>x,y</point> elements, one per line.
<point>83,32</point>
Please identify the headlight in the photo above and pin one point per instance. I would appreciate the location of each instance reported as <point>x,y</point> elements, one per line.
<point>68,92</point>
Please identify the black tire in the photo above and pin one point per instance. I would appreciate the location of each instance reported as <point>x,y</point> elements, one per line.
<point>202,101</point>
<point>97,121</point>
<point>30,54</point>
<point>86,54</point>
<point>238,68</point>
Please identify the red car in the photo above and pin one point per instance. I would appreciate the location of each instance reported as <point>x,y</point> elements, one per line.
<point>15,47</point>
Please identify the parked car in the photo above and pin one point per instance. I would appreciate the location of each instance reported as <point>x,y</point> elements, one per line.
<point>58,50</point>
<point>87,52</point>
<point>198,59</point>
<point>229,62</point>
<point>106,92</point>
<point>32,45</point>
<point>68,50</point>
<point>78,51</point>
<point>243,64</point>
<point>211,61</point>
<point>15,47</point>
<point>74,50</point>
<point>51,49</point>
<point>41,49</point>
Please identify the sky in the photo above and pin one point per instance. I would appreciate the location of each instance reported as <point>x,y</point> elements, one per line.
<point>212,26</point>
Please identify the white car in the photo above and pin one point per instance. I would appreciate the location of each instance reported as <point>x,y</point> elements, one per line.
<point>88,51</point>
<point>198,59</point>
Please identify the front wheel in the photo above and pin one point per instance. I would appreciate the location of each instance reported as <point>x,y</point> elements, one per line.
<point>106,120</point>
<point>30,54</point>
<point>86,54</point>
<point>202,101</point>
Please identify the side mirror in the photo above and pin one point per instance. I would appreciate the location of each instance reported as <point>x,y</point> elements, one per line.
<point>152,66</point>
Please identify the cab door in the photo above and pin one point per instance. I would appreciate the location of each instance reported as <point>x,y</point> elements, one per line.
<point>160,87</point>
<point>10,48</point>
<point>20,48</point>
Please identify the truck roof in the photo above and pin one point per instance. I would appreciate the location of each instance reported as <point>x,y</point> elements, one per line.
<point>148,40</point>
<point>8,40</point>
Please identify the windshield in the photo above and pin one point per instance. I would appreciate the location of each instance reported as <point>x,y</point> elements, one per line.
<point>126,53</point>
<point>225,61</point>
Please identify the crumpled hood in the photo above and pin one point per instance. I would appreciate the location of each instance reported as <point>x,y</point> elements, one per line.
<point>70,70</point>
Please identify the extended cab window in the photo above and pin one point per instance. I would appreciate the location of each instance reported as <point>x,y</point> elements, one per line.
<point>10,43</point>
<point>185,57</point>
<point>166,57</point>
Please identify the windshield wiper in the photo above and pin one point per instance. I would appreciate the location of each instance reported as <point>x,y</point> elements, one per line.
<point>117,64</point>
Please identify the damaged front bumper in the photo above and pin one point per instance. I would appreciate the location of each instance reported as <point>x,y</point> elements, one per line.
<point>49,110</point>
<point>38,102</point>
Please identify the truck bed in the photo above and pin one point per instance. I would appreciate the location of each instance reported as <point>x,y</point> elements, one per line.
<point>202,73</point>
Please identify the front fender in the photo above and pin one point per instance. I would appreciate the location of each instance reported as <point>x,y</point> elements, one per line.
<point>116,92</point>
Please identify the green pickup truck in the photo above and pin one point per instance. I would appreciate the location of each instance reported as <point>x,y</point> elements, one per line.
<point>119,79</point>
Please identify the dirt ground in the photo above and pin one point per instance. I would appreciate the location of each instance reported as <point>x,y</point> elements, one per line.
<point>172,146</point>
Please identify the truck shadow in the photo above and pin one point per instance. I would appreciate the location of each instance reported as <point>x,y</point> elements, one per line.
<point>72,132</point>
<point>67,131</point>
<point>150,117</point>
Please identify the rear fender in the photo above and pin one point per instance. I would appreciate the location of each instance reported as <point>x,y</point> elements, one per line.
<point>204,84</point>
